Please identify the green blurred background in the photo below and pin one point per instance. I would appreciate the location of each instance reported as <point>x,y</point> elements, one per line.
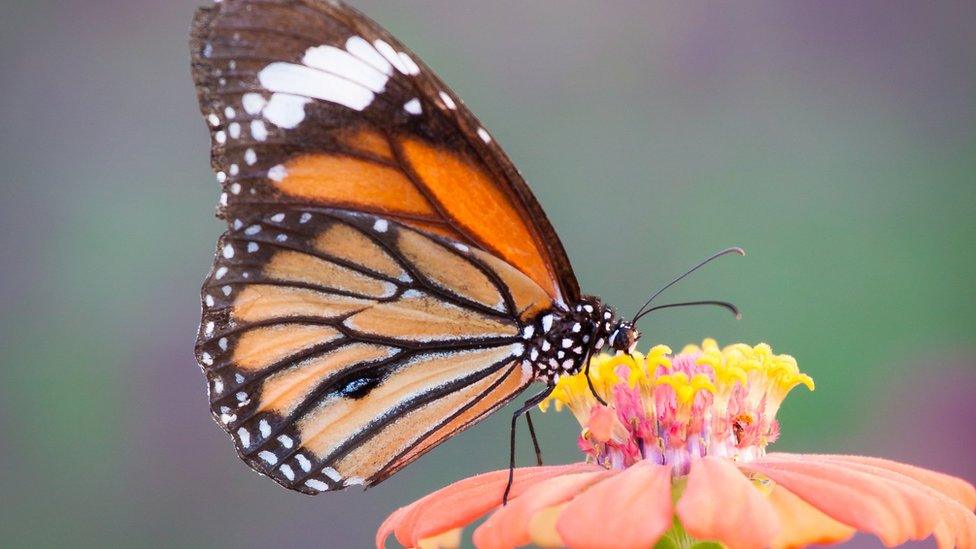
<point>833,140</point>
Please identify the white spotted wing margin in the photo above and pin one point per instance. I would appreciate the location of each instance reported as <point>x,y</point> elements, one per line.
<point>335,357</point>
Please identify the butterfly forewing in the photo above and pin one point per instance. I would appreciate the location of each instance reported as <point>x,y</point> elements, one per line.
<point>383,257</point>
<point>310,102</point>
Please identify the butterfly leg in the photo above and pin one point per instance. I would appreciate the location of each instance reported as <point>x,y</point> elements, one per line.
<point>586,370</point>
<point>535,441</point>
<point>529,404</point>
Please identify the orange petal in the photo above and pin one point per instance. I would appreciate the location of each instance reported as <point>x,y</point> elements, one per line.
<point>957,526</point>
<point>542,527</point>
<point>461,503</point>
<point>893,507</point>
<point>721,504</point>
<point>448,540</point>
<point>953,487</point>
<point>802,524</point>
<point>509,526</point>
<point>632,509</point>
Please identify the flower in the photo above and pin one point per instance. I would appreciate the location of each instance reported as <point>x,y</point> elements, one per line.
<point>678,454</point>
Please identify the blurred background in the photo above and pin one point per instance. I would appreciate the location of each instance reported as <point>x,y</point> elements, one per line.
<point>832,140</point>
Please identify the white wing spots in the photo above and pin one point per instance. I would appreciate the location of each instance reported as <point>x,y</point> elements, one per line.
<point>230,113</point>
<point>412,68</point>
<point>528,332</point>
<point>227,290</point>
<point>244,437</point>
<point>303,461</point>
<point>223,199</point>
<point>208,50</point>
<point>265,428</point>
<point>220,273</point>
<point>281,237</point>
<point>268,457</point>
<point>305,217</point>
<point>250,157</point>
<point>413,106</point>
<point>220,137</point>
<point>209,300</point>
<point>206,359</point>
<point>221,177</point>
<point>235,188</point>
<point>358,46</point>
<point>285,110</point>
<point>332,474</point>
<point>258,130</point>
<point>228,251</point>
<point>252,247</point>
<point>381,226</point>
<point>316,484</point>
<point>278,217</point>
<point>448,100</point>
<point>462,247</point>
<point>483,134</point>
<point>316,84</point>
<point>287,471</point>
<point>353,481</point>
<point>234,130</point>
<point>390,55</point>
<point>213,119</point>
<point>286,441</point>
<point>332,60</point>
<point>252,230</point>
<point>253,103</point>
<point>277,173</point>
<point>234,169</point>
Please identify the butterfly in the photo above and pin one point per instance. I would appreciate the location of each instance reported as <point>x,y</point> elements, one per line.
<point>386,279</point>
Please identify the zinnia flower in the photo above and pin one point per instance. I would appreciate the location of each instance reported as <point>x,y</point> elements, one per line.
<point>678,455</point>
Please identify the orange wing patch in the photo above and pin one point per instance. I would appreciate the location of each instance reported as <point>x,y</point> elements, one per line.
<point>338,419</point>
<point>343,242</point>
<point>485,212</point>
<point>283,392</point>
<point>300,267</point>
<point>420,317</point>
<point>496,398</point>
<point>367,141</point>
<point>259,348</point>
<point>352,182</point>
<point>529,298</point>
<point>448,270</point>
<point>260,302</point>
<point>374,455</point>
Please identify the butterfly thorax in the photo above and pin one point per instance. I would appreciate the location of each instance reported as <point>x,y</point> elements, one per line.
<point>560,340</point>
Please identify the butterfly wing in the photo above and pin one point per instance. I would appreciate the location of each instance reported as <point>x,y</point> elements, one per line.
<point>340,346</point>
<point>311,102</point>
<point>382,253</point>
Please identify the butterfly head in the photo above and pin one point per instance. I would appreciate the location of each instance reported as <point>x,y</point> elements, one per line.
<point>623,337</point>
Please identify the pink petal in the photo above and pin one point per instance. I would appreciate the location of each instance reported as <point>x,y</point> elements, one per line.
<point>953,487</point>
<point>463,502</point>
<point>509,526</point>
<point>631,509</point>
<point>893,507</point>
<point>721,504</point>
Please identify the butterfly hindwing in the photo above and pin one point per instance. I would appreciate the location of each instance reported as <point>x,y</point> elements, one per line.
<point>310,102</point>
<point>336,354</point>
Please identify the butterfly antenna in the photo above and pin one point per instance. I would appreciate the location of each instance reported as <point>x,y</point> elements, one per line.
<point>724,304</point>
<point>733,250</point>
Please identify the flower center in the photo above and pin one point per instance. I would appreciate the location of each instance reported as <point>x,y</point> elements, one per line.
<point>673,409</point>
